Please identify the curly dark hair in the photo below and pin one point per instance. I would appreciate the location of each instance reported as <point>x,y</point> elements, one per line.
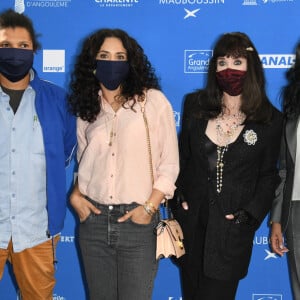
<point>10,18</point>
<point>291,92</point>
<point>83,98</point>
<point>255,103</point>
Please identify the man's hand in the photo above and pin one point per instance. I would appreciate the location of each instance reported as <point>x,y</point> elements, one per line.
<point>277,240</point>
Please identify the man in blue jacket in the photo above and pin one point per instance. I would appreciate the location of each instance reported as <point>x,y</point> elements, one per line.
<point>37,139</point>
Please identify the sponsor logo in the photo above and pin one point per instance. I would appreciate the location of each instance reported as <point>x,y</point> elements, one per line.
<point>261,240</point>
<point>19,6</point>
<point>190,2</point>
<point>57,297</point>
<point>196,61</point>
<point>177,118</point>
<point>266,296</point>
<point>117,3</point>
<point>249,2</point>
<point>264,241</point>
<point>47,3</point>
<point>67,239</point>
<point>191,13</point>
<point>256,2</point>
<point>54,61</point>
<point>277,61</point>
<point>270,255</point>
<point>276,1</point>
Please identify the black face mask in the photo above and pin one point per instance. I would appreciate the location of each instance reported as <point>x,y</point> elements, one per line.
<point>15,63</point>
<point>111,73</point>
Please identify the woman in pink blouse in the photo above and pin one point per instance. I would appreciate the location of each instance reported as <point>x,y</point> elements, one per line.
<point>116,196</point>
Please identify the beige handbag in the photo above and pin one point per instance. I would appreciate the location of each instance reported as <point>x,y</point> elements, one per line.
<point>168,231</point>
<point>169,239</point>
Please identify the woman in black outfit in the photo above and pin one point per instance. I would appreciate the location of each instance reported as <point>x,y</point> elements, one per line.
<point>229,147</point>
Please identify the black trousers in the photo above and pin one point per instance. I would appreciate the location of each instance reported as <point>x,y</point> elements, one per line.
<point>195,285</point>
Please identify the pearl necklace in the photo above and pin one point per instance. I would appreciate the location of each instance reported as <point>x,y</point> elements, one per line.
<point>224,137</point>
<point>220,164</point>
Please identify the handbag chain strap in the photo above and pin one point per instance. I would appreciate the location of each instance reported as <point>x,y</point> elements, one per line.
<point>142,104</point>
<point>148,138</point>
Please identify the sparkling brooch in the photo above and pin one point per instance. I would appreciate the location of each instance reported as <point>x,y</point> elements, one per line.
<point>250,137</point>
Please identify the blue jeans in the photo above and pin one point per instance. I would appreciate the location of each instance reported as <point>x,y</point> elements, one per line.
<point>119,258</point>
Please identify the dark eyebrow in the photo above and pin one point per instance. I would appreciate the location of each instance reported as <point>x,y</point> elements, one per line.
<point>105,51</point>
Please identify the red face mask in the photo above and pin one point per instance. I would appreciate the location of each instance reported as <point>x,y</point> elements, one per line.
<point>231,81</point>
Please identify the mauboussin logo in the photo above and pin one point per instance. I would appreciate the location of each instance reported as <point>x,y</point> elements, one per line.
<point>196,61</point>
<point>267,297</point>
<point>190,2</point>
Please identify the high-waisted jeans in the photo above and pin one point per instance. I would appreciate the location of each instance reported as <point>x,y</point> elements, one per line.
<point>118,258</point>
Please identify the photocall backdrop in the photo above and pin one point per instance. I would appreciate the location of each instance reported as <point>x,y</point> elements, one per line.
<point>177,36</point>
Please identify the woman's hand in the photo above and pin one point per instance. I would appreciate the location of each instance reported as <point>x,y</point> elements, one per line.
<point>137,215</point>
<point>277,240</point>
<point>241,216</point>
<point>82,206</point>
<point>185,205</point>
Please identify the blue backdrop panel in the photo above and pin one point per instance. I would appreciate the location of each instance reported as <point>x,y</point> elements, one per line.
<point>177,36</point>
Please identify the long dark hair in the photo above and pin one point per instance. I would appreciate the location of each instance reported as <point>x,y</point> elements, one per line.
<point>84,86</point>
<point>255,103</point>
<point>291,92</point>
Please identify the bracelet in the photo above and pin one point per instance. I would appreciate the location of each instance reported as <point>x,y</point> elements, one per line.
<point>152,206</point>
<point>148,210</point>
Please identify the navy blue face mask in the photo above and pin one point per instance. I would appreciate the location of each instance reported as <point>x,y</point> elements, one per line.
<point>15,63</point>
<point>111,73</point>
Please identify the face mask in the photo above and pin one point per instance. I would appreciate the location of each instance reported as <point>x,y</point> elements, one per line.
<point>111,73</point>
<point>231,81</point>
<point>15,63</point>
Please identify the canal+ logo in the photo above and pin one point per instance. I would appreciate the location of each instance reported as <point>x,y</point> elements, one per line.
<point>277,61</point>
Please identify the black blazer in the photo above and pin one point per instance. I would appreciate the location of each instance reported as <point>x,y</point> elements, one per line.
<point>250,178</point>
<point>282,202</point>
